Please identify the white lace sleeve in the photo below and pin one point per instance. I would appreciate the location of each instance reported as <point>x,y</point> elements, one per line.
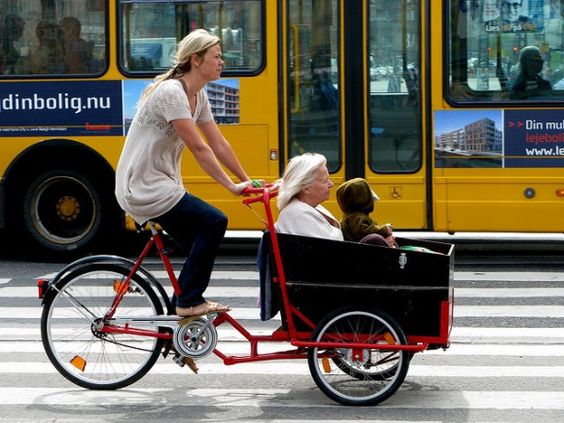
<point>206,113</point>
<point>171,102</point>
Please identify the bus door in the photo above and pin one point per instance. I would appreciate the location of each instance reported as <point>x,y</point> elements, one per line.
<point>395,160</point>
<point>352,81</point>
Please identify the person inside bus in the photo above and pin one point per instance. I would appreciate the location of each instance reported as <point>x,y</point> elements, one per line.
<point>47,57</point>
<point>171,115</point>
<point>304,186</point>
<point>529,83</point>
<point>11,32</point>
<point>77,52</point>
<point>356,201</point>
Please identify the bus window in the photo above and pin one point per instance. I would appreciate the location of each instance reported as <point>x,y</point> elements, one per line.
<point>150,31</point>
<point>394,96</point>
<point>506,50</point>
<point>313,77</point>
<point>51,38</point>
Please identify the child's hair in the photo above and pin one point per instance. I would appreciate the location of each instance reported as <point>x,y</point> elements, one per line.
<point>356,200</point>
<point>355,195</point>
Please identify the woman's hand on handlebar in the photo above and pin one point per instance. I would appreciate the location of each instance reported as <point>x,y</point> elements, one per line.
<point>238,189</point>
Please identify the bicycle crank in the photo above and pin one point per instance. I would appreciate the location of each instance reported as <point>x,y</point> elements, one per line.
<point>195,337</point>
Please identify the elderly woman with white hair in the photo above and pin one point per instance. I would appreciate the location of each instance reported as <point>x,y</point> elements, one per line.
<point>304,186</point>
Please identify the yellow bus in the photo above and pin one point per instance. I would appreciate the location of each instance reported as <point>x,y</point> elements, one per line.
<point>451,109</point>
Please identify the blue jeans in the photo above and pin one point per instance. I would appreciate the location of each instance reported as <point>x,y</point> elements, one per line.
<point>199,228</point>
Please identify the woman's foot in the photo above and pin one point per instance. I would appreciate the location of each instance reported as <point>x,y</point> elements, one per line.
<point>202,309</point>
<point>220,308</point>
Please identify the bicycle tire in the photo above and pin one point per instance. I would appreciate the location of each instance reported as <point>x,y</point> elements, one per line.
<point>366,380</point>
<point>81,353</point>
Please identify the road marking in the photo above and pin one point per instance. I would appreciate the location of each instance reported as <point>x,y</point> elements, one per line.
<point>253,292</point>
<point>259,398</point>
<point>458,276</point>
<point>458,334</point>
<point>300,367</point>
<point>531,292</point>
<point>509,276</point>
<point>216,275</point>
<point>540,311</point>
<point>243,348</point>
<point>248,313</point>
<point>211,292</point>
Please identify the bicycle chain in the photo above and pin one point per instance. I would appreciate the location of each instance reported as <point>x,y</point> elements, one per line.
<point>103,337</point>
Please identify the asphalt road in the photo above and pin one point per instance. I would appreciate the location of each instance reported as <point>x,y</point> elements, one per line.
<point>505,362</point>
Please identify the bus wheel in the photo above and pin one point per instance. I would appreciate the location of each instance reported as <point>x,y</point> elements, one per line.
<point>62,211</point>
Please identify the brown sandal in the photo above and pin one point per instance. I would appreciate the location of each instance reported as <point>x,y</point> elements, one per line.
<point>217,307</point>
<point>191,363</point>
<point>202,309</point>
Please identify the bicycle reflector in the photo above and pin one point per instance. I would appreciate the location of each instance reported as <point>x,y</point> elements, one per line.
<point>78,362</point>
<point>123,287</point>
<point>389,338</point>
<point>42,285</point>
<point>326,365</point>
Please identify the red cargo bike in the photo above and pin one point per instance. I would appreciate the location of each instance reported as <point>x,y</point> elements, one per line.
<point>356,312</point>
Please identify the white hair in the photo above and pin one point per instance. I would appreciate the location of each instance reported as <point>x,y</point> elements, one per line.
<point>299,174</point>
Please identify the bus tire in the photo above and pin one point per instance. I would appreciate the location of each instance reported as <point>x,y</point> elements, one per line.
<point>62,211</point>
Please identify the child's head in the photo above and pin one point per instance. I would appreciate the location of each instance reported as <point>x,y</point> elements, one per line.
<point>355,195</point>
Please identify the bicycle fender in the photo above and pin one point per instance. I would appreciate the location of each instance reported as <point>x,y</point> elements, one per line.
<point>106,258</point>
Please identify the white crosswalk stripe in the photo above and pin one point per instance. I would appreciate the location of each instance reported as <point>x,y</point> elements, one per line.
<point>512,355</point>
<point>253,292</point>
<point>253,313</point>
<point>251,398</point>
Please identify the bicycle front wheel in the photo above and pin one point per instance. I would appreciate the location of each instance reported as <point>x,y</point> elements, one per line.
<point>72,320</point>
<point>358,376</point>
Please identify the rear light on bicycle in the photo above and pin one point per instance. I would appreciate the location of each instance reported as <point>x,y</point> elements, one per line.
<point>42,285</point>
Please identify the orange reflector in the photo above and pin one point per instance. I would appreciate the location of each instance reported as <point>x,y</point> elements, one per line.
<point>389,338</point>
<point>117,285</point>
<point>78,362</point>
<point>560,192</point>
<point>326,365</point>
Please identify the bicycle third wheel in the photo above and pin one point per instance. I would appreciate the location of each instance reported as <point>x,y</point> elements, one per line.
<point>358,376</point>
<point>70,321</point>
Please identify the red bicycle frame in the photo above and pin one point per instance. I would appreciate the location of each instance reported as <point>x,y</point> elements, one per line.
<point>299,339</point>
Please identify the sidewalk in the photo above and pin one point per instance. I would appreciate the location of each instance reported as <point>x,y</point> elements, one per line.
<point>473,241</point>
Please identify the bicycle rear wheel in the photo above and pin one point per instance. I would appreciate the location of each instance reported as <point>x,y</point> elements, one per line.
<point>358,376</point>
<point>70,327</point>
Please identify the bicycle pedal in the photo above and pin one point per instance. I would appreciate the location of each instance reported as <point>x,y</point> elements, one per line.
<point>186,361</point>
<point>178,359</point>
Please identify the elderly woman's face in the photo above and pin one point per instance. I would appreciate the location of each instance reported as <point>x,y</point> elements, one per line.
<point>318,191</point>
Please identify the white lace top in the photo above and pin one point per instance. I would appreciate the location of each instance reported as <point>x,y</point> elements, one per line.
<point>148,179</point>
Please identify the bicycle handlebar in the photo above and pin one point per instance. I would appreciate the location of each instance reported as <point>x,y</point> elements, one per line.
<point>257,194</point>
